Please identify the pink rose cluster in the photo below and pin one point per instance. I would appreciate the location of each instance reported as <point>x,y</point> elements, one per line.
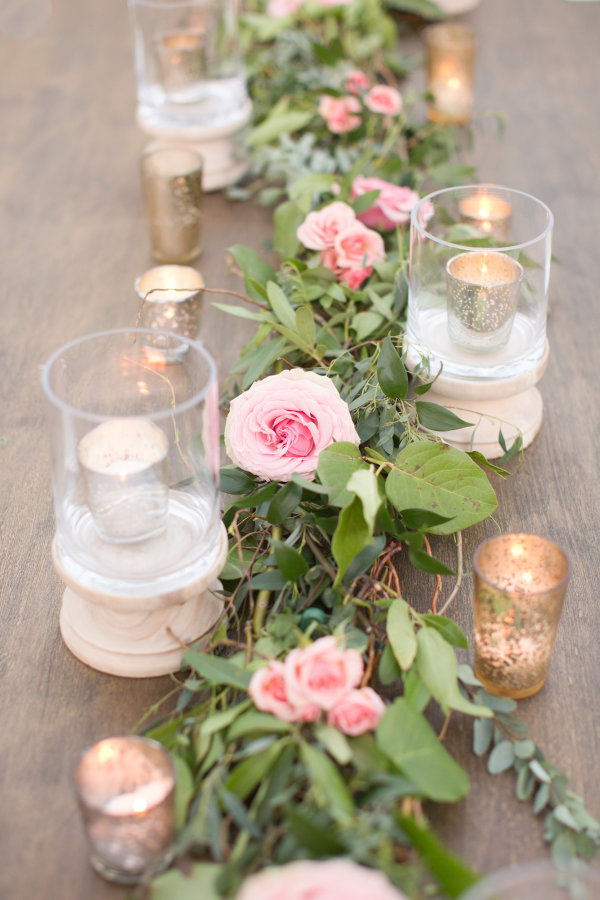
<point>392,207</point>
<point>315,679</point>
<point>348,247</point>
<point>278,9</point>
<point>280,424</point>
<point>342,113</point>
<point>332,879</point>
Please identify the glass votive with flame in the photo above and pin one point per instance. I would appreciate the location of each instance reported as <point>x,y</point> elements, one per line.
<point>450,50</point>
<point>488,212</point>
<point>125,789</point>
<point>520,582</point>
<point>483,295</point>
<point>170,299</point>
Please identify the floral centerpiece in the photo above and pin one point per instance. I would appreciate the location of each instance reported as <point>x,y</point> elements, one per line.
<point>303,741</point>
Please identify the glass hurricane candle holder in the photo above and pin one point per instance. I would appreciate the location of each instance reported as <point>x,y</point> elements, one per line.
<point>539,880</point>
<point>520,582</point>
<point>170,300</point>
<point>477,308</point>
<point>135,457</point>
<point>172,185</point>
<point>450,50</point>
<point>125,789</point>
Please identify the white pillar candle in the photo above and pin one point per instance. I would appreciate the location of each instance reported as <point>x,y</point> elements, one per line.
<point>124,468</point>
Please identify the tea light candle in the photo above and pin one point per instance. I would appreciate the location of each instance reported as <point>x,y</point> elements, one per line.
<point>125,791</point>
<point>124,468</point>
<point>490,214</point>
<point>483,294</point>
<point>450,61</point>
<point>181,60</point>
<point>170,300</point>
<point>520,582</point>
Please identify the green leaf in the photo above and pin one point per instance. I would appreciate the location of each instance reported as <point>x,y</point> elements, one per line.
<point>422,519</point>
<point>200,881</point>
<point>444,480</point>
<point>184,790</point>
<point>388,670</point>
<point>280,305</point>
<point>248,774</point>
<point>315,183</point>
<point>334,742</point>
<point>319,841</point>
<point>542,798</point>
<point>263,357</point>
<point>253,267</point>
<point>563,814</point>
<point>501,758</point>
<point>254,722</point>
<point>415,691</point>
<point>524,749</point>
<point>305,323</point>
<point>286,219</point>
<point>427,563</point>
<point>365,485</point>
<point>277,124</point>
<point>290,563</point>
<point>450,631</point>
<point>437,668</point>
<point>351,536</point>
<point>365,323</point>
<point>391,372</point>
<point>438,418</point>
<point>453,875</point>
<point>539,771</point>
<point>238,812</point>
<point>217,670</point>
<point>401,633</point>
<point>234,481</point>
<point>284,503</point>
<point>336,464</point>
<point>406,737</point>
<point>525,784</point>
<point>330,788</point>
<point>483,731</point>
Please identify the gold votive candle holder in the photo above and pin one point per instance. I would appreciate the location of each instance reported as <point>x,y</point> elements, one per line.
<point>170,300</point>
<point>482,299</point>
<point>125,789</point>
<point>181,59</point>
<point>520,582</point>
<point>450,51</point>
<point>172,183</point>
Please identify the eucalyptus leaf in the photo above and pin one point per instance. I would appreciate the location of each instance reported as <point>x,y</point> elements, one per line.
<point>483,731</point>
<point>501,758</point>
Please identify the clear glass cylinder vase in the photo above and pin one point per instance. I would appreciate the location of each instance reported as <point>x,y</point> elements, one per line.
<point>135,455</point>
<point>188,62</point>
<point>479,274</point>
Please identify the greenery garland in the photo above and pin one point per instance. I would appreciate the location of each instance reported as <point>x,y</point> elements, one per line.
<point>313,557</point>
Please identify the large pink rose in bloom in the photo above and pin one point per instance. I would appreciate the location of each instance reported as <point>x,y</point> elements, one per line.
<point>391,208</point>
<point>280,425</point>
<point>268,692</point>
<point>384,99</point>
<point>332,879</point>
<point>340,113</point>
<point>321,673</point>
<point>357,712</point>
<point>320,228</point>
<point>358,246</point>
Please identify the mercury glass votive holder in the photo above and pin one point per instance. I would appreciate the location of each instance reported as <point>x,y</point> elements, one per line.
<point>170,300</point>
<point>125,790</point>
<point>539,880</point>
<point>172,183</point>
<point>520,582</point>
<point>450,50</point>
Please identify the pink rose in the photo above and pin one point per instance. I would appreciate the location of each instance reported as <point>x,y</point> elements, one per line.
<point>339,113</point>
<point>280,424</point>
<point>358,247</point>
<point>279,9</point>
<point>322,673</point>
<point>320,228</point>
<point>329,879</point>
<point>384,99</point>
<point>354,278</point>
<point>391,208</point>
<point>355,81</point>
<point>325,3</point>
<point>357,712</point>
<point>268,692</point>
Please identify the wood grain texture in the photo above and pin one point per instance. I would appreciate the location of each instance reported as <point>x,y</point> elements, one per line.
<point>75,238</point>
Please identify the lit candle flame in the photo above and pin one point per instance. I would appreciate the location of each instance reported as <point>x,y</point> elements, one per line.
<point>143,388</point>
<point>454,83</point>
<point>139,805</point>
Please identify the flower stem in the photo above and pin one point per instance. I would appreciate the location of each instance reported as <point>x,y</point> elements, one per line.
<point>262,601</point>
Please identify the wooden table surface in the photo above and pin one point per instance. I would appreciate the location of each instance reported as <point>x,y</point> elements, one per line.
<point>74,238</point>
